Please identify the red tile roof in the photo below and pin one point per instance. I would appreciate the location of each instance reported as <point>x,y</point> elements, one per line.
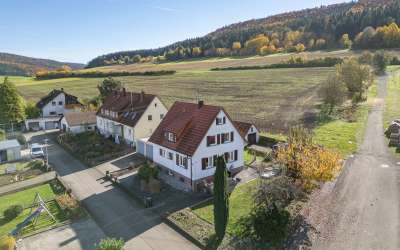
<point>129,106</point>
<point>190,124</point>
<point>242,127</point>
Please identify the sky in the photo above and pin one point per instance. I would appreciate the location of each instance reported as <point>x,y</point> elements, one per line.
<point>79,30</point>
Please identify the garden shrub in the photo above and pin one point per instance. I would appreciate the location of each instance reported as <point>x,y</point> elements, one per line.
<point>146,172</point>
<point>110,244</point>
<point>12,212</point>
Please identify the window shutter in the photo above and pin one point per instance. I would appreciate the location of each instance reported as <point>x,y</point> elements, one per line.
<point>236,155</point>
<point>177,159</point>
<point>224,120</point>
<point>208,141</point>
<point>219,139</point>
<point>215,160</point>
<point>226,155</point>
<point>203,163</point>
<point>232,136</point>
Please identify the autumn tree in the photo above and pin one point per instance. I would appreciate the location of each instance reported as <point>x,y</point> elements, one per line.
<point>221,198</point>
<point>320,43</point>
<point>356,77</point>
<point>345,41</point>
<point>333,92</point>
<point>11,103</point>
<point>196,51</point>
<point>136,59</point>
<point>254,45</point>
<point>108,85</point>
<point>305,160</point>
<point>300,47</point>
<point>236,46</point>
<point>269,49</point>
<point>380,61</point>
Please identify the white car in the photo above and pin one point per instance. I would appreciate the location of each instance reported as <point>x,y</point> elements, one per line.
<point>37,151</point>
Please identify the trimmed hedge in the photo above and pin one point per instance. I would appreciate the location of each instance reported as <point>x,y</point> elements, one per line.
<point>95,74</point>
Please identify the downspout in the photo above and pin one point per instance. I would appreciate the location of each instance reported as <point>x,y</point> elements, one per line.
<point>191,173</point>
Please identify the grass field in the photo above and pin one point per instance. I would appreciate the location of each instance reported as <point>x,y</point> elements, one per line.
<point>240,204</point>
<point>25,198</point>
<point>273,99</point>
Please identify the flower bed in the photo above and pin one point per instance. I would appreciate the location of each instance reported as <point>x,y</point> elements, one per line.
<point>92,148</point>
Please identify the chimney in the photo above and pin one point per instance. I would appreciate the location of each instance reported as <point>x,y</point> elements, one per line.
<point>200,104</point>
<point>141,96</point>
<point>124,91</point>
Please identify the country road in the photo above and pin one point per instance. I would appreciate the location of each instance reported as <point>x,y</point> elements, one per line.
<point>362,211</point>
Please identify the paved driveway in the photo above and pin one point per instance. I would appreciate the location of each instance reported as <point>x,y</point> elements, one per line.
<point>363,211</point>
<point>113,210</point>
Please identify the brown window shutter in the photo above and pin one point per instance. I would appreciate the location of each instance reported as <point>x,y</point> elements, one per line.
<point>215,157</point>
<point>232,136</point>
<point>224,120</point>
<point>226,155</point>
<point>177,159</point>
<point>236,155</point>
<point>218,139</point>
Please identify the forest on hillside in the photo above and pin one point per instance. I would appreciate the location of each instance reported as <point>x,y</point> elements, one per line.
<point>364,24</point>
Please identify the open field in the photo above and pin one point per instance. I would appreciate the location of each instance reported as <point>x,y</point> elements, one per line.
<point>272,98</point>
<point>206,64</point>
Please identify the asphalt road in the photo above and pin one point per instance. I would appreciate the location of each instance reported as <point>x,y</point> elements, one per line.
<point>363,210</point>
<point>117,214</point>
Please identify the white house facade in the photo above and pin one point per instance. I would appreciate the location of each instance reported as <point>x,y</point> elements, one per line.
<point>130,116</point>
<point>188,149</point>
<point>52,107</point>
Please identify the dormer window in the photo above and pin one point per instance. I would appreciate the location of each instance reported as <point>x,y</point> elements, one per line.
<point>220,121</point>
<point>171,137</point>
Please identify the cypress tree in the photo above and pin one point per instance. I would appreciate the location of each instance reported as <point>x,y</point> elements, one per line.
<point>12,107</point>
<point>221,198</point>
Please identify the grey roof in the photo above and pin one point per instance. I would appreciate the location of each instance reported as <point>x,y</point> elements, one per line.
<point>9,144</point>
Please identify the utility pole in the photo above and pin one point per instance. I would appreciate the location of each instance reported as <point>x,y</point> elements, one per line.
<point>47,154</point>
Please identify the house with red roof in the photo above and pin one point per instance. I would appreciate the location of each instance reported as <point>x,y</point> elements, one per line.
<point>128,116</point>
<point>188,141</point>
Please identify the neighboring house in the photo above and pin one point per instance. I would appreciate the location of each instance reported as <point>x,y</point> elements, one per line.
<point>248,131</point>
<point>78,122</point>
<point>52,107</point>
<point>10,150</point>
<point>189,139</point>
<point>130,116</point>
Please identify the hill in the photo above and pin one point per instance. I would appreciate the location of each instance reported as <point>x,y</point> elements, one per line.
<point>17,65</point>
<point>310,29</point>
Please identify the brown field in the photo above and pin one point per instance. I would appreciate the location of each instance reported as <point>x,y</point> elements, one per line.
<point>272,98</point>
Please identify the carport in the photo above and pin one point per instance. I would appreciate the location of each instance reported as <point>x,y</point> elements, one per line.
<point>10,150</point>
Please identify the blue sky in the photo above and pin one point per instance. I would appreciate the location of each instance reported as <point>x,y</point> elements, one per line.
<point>77,31</point>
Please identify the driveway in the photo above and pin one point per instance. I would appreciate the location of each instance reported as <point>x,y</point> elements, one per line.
<point>362,210</point>
<point>114,211</point>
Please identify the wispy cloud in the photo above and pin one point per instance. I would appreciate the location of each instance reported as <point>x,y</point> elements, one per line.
<point>166,9</point>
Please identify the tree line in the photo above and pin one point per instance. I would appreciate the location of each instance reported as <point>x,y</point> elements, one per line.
<point>336,26</point>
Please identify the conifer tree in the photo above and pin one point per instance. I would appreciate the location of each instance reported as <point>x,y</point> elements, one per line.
<point>221,198</point>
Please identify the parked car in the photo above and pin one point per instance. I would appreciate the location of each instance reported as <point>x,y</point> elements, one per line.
<point>37,151</point>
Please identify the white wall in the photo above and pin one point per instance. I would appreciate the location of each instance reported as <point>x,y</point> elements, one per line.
<point>252,130</point>
<point>77,129</point>
<point>204,151</point>
<point>145,128</point>
<point>58,109</point>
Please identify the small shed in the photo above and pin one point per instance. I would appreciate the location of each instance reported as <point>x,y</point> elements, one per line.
<point>10,150</point>
<point>248,131</point>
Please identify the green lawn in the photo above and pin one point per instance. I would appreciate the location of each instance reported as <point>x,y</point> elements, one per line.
<point>240,204</point>
<point>21,166</point>
<point>392,102</point>
<point>25,198</point>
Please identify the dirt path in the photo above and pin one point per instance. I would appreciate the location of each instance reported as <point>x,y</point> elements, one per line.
<point>361,210</point>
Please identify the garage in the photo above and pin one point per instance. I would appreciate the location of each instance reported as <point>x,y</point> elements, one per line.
<point>10,150</point>
<point>33,126</point>
<point>145,148</point>
<point>51,125</point>
<point>252,138</point>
